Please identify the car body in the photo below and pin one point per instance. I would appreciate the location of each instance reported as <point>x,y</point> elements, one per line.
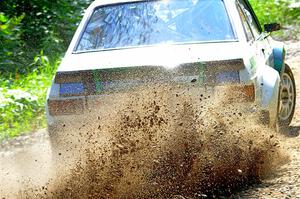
<point>114,46</point>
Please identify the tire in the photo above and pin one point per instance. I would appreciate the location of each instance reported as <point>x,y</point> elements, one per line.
<point>287,98</point>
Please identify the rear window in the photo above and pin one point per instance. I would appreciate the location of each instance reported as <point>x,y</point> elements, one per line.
<point>156,22</point>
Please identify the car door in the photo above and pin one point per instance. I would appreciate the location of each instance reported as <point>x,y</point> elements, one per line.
<point>260,51</point>
<point>256,37</point>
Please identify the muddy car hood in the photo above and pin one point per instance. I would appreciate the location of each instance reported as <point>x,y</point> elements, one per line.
<point>169,56</point>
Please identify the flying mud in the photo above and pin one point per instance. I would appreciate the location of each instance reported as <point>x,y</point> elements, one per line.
<point>162,142</point>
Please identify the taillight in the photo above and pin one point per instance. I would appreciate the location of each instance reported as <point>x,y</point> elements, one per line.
<point>80,83</point>
<point>71,89</point>
<point>65,106</point>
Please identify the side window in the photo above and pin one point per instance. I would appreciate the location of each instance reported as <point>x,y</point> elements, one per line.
<point>250,19</point>
<point>247,29</point>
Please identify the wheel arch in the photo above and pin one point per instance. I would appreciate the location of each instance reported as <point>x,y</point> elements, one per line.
<point>268,81</point>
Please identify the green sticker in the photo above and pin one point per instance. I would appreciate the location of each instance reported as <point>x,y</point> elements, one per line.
<point>97,81</point>
<point>201,73</point>
<point>252,63</point>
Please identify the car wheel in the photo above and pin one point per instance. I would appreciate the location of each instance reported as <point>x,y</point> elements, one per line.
<point>287,97</point>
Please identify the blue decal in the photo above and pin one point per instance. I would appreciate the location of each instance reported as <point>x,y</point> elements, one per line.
<point>71,88</point>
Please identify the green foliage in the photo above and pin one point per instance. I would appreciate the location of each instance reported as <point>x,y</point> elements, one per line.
<point>10,43</point>
<point>27,29</point>
<point>37,25</point>
<point>22,99</point>
<point>280,11</point>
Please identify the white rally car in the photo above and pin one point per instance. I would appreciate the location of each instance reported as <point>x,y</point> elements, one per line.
<point>203,42</point>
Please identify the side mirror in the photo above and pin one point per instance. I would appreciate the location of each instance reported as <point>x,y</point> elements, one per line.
<point>272,27</point>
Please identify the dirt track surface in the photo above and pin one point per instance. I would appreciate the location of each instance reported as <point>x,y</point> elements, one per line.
<point>26,160</point>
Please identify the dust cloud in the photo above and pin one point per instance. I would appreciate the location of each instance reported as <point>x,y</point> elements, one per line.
<point>164,142</point>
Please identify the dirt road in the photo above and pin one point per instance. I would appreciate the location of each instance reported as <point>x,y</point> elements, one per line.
<point>25,161</point>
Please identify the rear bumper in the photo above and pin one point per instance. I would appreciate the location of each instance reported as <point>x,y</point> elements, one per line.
<point>98,107</point>
<point>92,106</point>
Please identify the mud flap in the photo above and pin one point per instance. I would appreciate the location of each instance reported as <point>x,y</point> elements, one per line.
<point>269,81</point>
<point>278,57</point>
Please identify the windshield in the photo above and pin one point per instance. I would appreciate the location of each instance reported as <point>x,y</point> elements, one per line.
<point>156,22</point>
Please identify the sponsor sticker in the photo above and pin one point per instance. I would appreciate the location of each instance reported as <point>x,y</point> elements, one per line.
<point>97,81</point>
<point>201,79</point>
